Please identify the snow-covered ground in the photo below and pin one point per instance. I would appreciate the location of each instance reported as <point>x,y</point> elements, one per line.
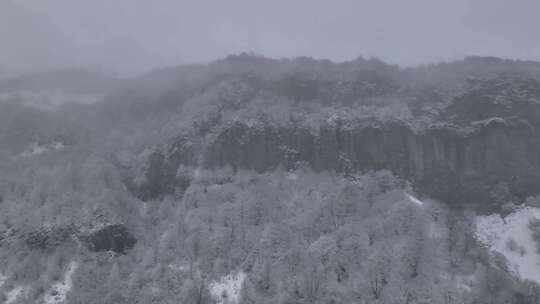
<point>227,289</point>
<point>292,176</point>
<point>15,293</point>
<point>37,149</point>
<point>414,199</point>
<point>494,232</point>
<point>58,292</point>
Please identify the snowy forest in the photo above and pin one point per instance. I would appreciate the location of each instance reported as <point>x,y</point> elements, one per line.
<point>253,180</point>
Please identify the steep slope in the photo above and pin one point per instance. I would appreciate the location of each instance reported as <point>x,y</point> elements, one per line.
<point>258,180</point>
<point>469,140</point>
<point>451,164</point>
<point>512,237</point>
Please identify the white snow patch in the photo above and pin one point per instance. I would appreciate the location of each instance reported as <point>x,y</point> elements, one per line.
<point>58,292</point>
<point>414,199</point>
<point>56,145</point>
<point>15,293</point>
<point>214,187</point>
<point>227,289</point>
<point>494,232</point>
<point>486,122</point>
<point>292,176</point>
<point>37,149</point>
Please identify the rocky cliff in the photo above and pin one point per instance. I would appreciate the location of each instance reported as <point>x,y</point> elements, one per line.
<point>451,164</point>
<point>480,150</point>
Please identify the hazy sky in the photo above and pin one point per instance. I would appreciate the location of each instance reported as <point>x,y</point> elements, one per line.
<point>131,36</point>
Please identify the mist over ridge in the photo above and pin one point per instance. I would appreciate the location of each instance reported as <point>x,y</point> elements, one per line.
<point>287,152</point>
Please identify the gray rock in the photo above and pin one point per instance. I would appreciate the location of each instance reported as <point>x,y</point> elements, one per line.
<point>114,238</point>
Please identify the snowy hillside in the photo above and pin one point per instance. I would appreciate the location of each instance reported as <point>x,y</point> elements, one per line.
<point>254,180</point>
<point>512,237</point>
<point>227,289</point>
<point>58,292</point>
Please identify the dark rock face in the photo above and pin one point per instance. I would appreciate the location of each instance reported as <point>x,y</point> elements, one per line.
<point>48,238</point>
<point>483,147</point>
<point>445,162</point>
<point>159,178</point>
<point>161,175</point>
<point>114,238</point>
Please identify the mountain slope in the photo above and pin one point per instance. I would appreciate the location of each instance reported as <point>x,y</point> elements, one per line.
<point>254,180</point>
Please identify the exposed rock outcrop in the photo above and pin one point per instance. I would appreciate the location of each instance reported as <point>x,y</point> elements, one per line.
<point>452,164</point>
<point>113,237</point>
<point>49,238</point>
<point>161,176</point>
<point>482,147</point>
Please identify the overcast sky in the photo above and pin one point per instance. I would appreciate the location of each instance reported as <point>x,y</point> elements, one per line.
<point>131,36</point>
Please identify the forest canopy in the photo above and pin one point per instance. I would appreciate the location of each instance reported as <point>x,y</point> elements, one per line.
<point>298,180</point>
